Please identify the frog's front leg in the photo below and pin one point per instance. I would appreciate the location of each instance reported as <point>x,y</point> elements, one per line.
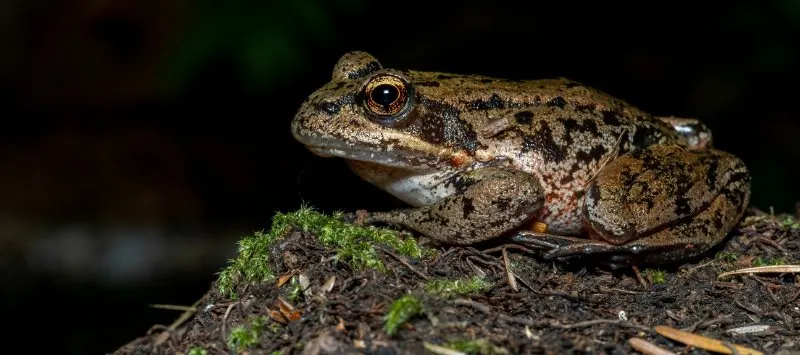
<point>489,202</point>
<point>659,204</point>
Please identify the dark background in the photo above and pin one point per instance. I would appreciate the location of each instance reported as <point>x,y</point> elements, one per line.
<point>140,139</point>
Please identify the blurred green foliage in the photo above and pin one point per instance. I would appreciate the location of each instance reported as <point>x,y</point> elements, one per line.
<point>265,39</point>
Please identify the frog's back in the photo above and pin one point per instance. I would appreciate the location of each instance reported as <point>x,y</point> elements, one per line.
<point>559,130</point>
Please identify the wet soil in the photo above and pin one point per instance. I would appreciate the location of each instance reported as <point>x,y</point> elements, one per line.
<point>547,308</point>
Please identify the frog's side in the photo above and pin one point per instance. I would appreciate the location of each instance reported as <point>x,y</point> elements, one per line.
<point>480,157</point>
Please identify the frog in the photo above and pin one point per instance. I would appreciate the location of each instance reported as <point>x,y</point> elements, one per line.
<point>549,163</point>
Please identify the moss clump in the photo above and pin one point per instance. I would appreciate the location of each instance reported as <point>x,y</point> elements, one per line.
<point>477,346</point>
<point>197,351</point>
<point>244,337</point>
<point>658,277</point>
<point>354,244</point>
<point>759,261</point>
<point>402,309</point>
<point>727,256</point>
<point>790,223</point>
<point>458,287</point>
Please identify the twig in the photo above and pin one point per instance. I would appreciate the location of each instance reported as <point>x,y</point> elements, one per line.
<point>619,290</point>
<point>763,270</point>
<point>774,244</point>
<point>512,279</point>
<point>225,319</point>
<point>647,348</point>
<point>694,269</point>
<point>639,276</point>
<point>590,323</point>
<point>511,246</point>
<point>402,261</point>
<point>174,307</point>
<point>488,311</point>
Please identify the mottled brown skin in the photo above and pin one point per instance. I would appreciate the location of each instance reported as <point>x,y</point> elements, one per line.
<point>480,157</point>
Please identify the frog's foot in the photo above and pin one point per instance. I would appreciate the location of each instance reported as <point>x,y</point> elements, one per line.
<point>569,249</point>
<point>489,202</point>
<point>662,204</point>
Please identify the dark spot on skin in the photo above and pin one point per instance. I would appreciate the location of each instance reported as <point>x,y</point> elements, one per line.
<point>542,140</point>
<point>610,118</point>
<point>644,136</point>
<point>486,81</point>
<point>740,176</point>
<point>627,177</point>
<point>575,167</point>
<point>711,174</point>
<point>717,219</point>
<point>646,191</point>
<point>428,83</point>
<point>467,207</point>
<point>370,68</point>
<point>494,102</point>
<point>537,100</point>
<point>557,101</point>
<point>585,108</point>
<point>440,123</point>
<point>583,126</point>
<point>443,76</point>
<point>571,85</point>
<point>594,154</point>
<point>339,85</point>
<point>524,117</point>
<point>649,160</point>
<point>501,203</point>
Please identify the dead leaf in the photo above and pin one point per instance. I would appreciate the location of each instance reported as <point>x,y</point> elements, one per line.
<point>703,342</point>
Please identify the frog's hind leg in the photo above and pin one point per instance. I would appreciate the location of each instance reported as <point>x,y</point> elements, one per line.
<point>660,204</point>
<point>685,239</point>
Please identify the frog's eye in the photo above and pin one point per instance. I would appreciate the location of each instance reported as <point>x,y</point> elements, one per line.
<point>386,95</point>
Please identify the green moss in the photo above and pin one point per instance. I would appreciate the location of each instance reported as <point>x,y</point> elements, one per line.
<point>295,290</point>
<point>759,261</point>
<point>477,346</point>
<point>791,223</point>
<point>244,337</point>
<point>727,256</point>
<point>402,309</point>
<point>197,351</point>
<point>354,245</point>
<point>657,276</point>
<point>458,287</point>
<point>241,338</point>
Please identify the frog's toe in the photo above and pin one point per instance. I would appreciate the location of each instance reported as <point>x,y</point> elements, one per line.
<point>582,249</point>
<point>544,240</point>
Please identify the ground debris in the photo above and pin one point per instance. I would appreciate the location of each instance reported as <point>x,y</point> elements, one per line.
<point>535,307</point>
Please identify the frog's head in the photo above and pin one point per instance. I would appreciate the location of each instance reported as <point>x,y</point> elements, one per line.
<point>371,114</point>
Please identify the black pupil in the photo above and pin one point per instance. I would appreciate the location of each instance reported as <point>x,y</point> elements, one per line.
<point>384,95</point>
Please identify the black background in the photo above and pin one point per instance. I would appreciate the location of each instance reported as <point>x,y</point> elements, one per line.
<point>140,139</point>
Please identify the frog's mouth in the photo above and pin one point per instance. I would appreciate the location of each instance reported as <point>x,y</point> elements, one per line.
<point>406,159</point>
